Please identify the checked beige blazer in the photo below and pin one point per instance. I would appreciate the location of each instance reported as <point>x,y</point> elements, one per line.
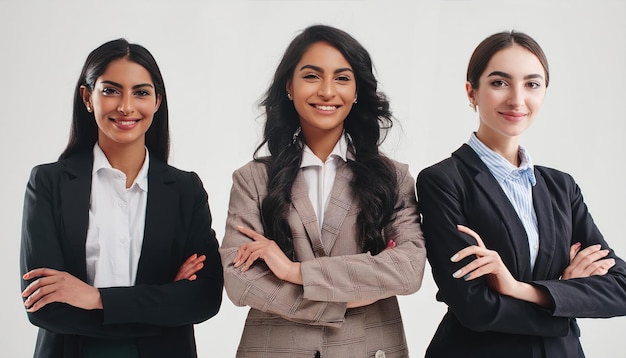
<point>311,320</point>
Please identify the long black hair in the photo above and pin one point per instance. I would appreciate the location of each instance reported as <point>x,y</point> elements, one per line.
<point>374,180</point>
<point>84,131</point>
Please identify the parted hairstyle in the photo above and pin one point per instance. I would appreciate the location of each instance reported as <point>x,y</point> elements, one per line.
<point>84,130</point>
<point>374,180</point>
<point>499,41</point>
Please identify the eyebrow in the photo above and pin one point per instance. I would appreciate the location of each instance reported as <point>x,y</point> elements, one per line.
<point>134,87</point>
<point>319,69</point>
<point>506,75</point>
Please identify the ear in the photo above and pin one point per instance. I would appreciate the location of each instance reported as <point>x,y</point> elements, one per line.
<point>158,103</point>
<point>470,92</point>
<point>288,86</point>
<point>86,96</point>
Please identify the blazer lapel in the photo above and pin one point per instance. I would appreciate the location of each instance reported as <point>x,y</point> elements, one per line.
<point>547,230</point>
<point>159,231</point>
<point>75,204</point>
<point>304,209</point>
<point>490,187</point>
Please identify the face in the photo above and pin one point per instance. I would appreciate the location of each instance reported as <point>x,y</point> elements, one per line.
<point>510,93</point>
<point>123,102</point>
<point>323,90</point>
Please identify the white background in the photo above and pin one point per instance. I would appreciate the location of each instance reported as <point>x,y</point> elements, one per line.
<point>217,58</point>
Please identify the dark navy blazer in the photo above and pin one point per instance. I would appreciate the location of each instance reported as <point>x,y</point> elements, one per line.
<point>480,322</point>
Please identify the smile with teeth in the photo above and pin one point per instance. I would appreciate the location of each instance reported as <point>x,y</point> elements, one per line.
<point>127,122</point>
<point>325,108</point>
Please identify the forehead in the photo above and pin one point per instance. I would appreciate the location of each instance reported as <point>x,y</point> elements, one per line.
<point>514,60</point>
<point>324,55</point>
<point>123,71</point>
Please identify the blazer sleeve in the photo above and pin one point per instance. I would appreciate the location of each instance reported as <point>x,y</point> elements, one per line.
<point>182,302</point>
<point>397,271</point>
<point>258,287</point>
<point>598,296</point>
<point>41,247</point>
<point>441,191</point>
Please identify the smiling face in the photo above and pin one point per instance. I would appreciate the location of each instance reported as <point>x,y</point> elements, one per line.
<point>323,90</point>
<point>509,95</point>
<point>123,101</point>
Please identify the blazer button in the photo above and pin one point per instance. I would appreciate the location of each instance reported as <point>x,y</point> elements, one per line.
<point>379,354</point>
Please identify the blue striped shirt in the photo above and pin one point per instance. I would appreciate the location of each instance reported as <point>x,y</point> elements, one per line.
<point>517,184</point>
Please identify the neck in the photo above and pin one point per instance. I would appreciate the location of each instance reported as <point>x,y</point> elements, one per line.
<point>322,144</point>
<point>128,159</point>
<point>507,147</point>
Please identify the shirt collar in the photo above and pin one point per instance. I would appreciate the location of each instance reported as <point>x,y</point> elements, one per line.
<point>501,168</point>
<point>100,161</point>
<point>339,151</point>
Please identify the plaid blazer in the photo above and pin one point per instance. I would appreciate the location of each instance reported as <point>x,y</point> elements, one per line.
<point>311,320</point>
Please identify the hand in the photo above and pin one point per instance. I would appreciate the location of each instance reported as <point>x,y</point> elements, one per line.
<point>268,251</point>
<point>587,262</point>
<point>489,262</point>
<point>188,269</point>
<point>58,286</point>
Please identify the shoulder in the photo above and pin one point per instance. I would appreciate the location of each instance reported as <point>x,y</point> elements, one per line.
<point>556,179</point>
<point>402,169</point>
<point>252,171</point>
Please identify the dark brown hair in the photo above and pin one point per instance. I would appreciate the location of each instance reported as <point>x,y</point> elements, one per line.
<point>499,41</point>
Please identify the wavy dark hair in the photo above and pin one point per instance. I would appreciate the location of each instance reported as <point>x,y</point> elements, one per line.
<point>499,41</point>
<point>84,130</point>
<point>374,180</point>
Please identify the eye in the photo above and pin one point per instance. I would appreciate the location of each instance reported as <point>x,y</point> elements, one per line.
<point>533,84</point>
<point>310,76</point>
<point>498,83</point>
<point>109,91</point>
<point>142,93</point>
<point>343,78</point>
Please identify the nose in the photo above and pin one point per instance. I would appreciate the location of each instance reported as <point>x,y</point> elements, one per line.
<point>125,105</point>
<point>516,97</point>
<point>326,89</point>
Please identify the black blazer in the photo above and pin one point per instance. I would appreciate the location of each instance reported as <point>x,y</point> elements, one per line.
<point>481,322</point>
<point>157,312</point>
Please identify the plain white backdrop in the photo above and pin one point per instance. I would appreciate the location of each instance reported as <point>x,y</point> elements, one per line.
<point>217,58</point>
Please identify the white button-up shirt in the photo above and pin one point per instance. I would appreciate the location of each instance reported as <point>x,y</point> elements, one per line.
<point>320,176</point>
<point>117,218</point>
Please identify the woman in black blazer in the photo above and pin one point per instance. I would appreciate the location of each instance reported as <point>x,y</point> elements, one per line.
<point>118,256</point>
<point>539,262</point>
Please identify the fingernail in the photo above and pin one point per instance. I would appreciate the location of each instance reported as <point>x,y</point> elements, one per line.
<point>466,277</point>
<point>454,257</point>
<point>456,274</point>
<point>25,277</point>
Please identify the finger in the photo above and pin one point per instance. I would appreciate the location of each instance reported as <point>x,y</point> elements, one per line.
<point>573,250</point>
<point>470,250</point>
<point>37,284</point>
<point>191,258</point>
<point>472,233</point>
<point>602,267</point>
<point>242,255</point>
<point>39,272</point>
<point>472,266</point>
<point>251,234</point>
<point>251,259</point>
<point>590,258</point>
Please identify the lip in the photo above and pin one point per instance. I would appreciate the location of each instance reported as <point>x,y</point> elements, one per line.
<point>513,116</point>
<point>125,123</point>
